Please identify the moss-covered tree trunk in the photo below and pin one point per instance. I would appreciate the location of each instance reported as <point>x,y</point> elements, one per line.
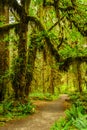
<point>4,52</point>
<point>51,88</point>
<point>19,76</point>
<point>77,76</point>
<point>19,80</point>
<point>22,49</point>
<point>51,79</point>
<point>4,66</point>
<point>30,64</point>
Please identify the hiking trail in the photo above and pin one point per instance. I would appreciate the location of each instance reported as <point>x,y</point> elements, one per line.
<point>47,113</point>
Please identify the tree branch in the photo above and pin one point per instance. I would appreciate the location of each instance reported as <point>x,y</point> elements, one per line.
<point>82,30</point>
<point>55,24</point>
<point>64,64</point>
<point>51,47</point>
<point>7,27</point>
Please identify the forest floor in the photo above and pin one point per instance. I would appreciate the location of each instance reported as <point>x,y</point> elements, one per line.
<point>47,113</point>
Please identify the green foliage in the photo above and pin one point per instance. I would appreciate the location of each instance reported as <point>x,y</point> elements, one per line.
<point>74,120</point>
<point>20,108</point>
<point>37,1</point>
<point>10,109</point>
<point>62,124</point>
<point>41,96</point>
<point>1,23</point>
<point>76,116</point>
<point>69,51</point>
<point>2,20</point>
<point>81,122</point>
<point>79,99</point>
<point>74,112</point>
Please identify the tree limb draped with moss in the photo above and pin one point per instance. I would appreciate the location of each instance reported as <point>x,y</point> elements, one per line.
<point>51,47</point>
<point>40,27</point>
<point>64,64</point>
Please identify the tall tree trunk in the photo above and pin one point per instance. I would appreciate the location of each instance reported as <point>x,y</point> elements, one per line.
<point>51,90</point>
<point>22,51</point>
<point>77,76</point>
<point>19,76</point>
<point>51,87</point>
<point>43,76</point>
<point>30,65</point>
<point>4,52</point>
<point>19,80</point>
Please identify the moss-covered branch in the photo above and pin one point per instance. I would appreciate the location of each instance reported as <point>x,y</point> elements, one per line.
<point>51,47</point>
<point>68,61</point>
<point>40,27</point>
<point>7,27</point>
<point>82,29</point>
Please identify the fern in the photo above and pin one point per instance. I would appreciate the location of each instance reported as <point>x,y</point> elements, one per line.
<point>81,122</point>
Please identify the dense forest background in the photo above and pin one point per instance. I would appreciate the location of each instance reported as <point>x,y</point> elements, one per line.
<point>43,47</point>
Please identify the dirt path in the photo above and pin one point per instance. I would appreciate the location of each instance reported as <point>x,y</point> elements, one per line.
<point>45,117</point>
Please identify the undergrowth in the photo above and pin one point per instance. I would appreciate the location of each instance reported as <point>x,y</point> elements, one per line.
<point>76,115</point>
<point>10,110</point>
<point>79,99</point>
<point>41,96</point>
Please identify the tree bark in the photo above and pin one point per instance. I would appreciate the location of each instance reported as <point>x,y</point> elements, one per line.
<point>4,52</point>
<point>30,65</point>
